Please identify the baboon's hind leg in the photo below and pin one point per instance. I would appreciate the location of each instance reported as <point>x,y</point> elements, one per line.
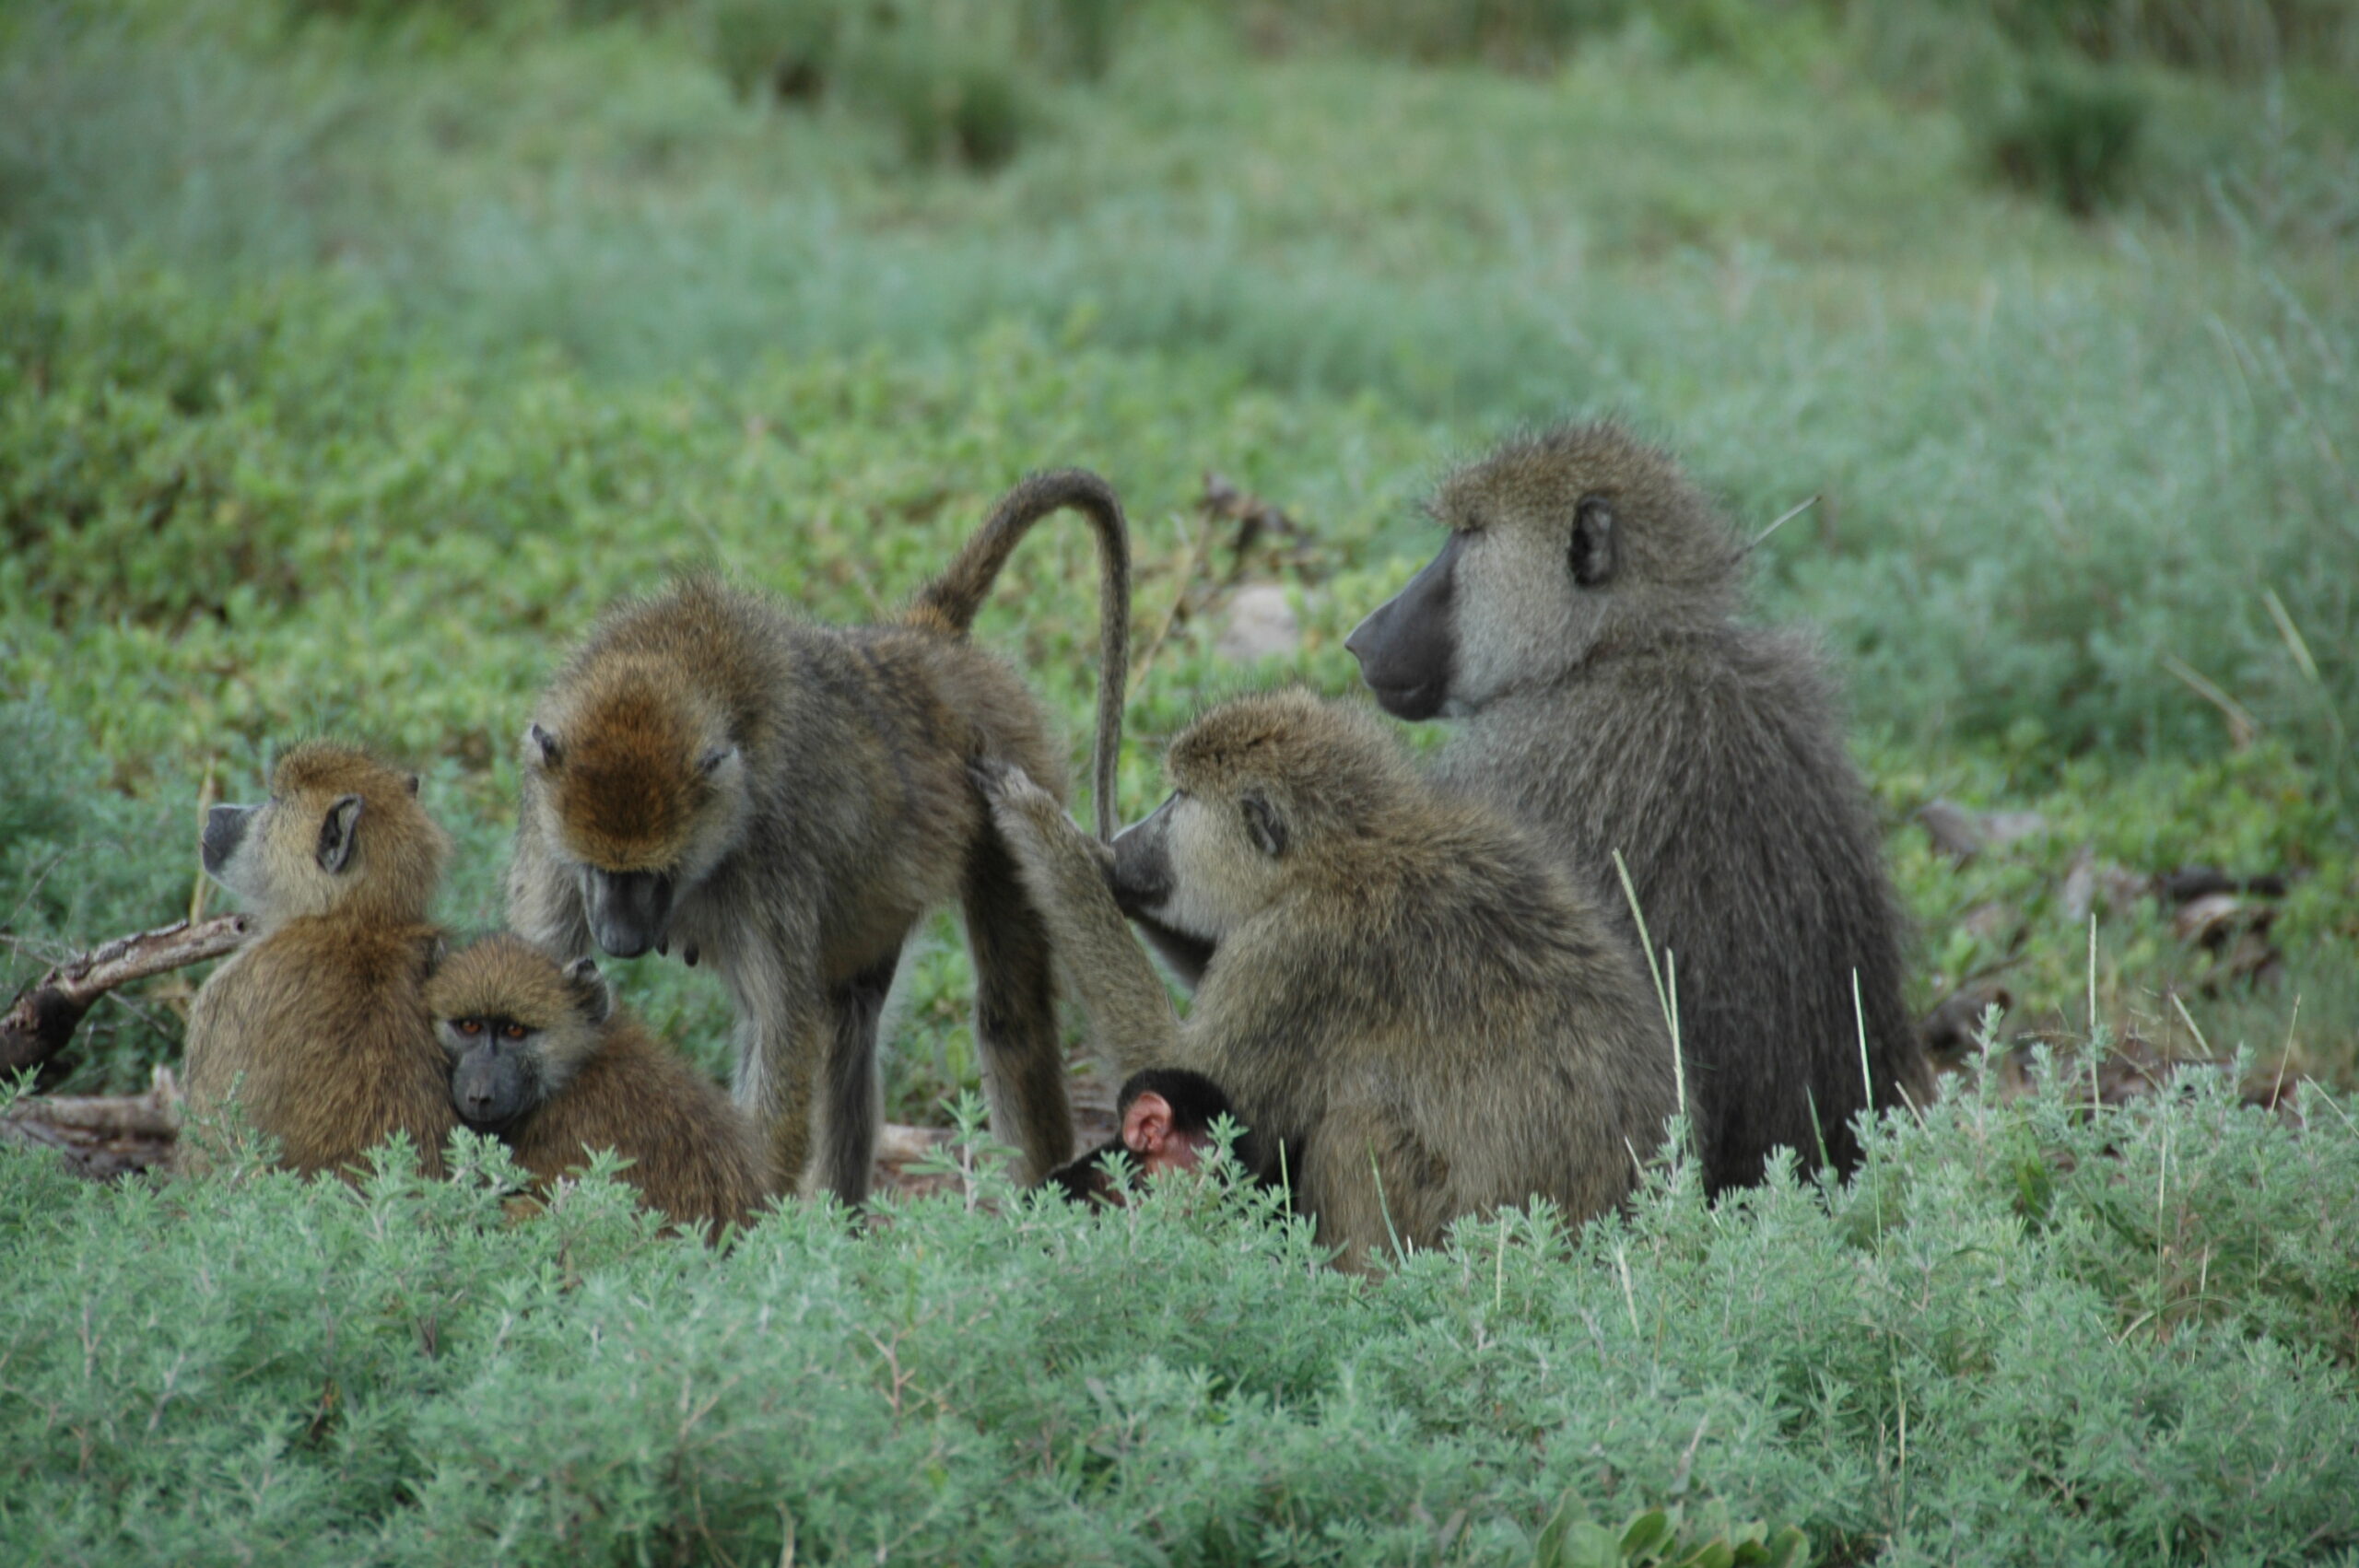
<point>1016,1011</point>
<point>845,1126</point>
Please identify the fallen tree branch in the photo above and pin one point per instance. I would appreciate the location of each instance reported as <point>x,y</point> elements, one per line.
<point>44,1015</point>
<point>103,1138</point>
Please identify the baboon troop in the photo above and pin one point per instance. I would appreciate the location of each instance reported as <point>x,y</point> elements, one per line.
<point>1420,992</point>
<point>1412,1007</point>
<point>541,1055</point>
<point>1578,629</point>
<point>788,801</point>
<point>317,1029</point>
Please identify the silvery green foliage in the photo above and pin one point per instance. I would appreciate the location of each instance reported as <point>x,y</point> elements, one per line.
<point>2104,1340</point>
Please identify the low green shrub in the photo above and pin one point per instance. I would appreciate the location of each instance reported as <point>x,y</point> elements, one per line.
<point>2068,132</point>
<point>82,860</point>
<point>2239,38</point>
<point>956,79</point>
<point>2120,1339</point>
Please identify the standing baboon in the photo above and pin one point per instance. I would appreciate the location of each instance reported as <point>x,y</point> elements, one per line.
<point>317,1027</point>
<point>1414,1011</point>
<point>1580,625</point>
<point>789,801</point>
<point>541,1055</point>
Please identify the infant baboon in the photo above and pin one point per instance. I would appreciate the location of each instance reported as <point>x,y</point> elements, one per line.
<point>1164,1119</point>
<point>789,801</point>
<point>1414,1010</point>
<point>541,1055</point>
<point>317,1027</point>
<point>1580,625</point>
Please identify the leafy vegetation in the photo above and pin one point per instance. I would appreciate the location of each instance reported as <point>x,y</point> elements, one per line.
<point>352,356</point>
<point>2021,1335</point>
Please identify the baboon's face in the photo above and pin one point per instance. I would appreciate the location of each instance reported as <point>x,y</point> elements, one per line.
<point>516,1027</point>
<point>1201,865</point>
<point>308,847</point>
<point>645,804</point>
<point>1518,595</point>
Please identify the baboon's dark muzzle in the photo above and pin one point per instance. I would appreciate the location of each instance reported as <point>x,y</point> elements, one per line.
<point>1405,647</point>
<point>630,911</point>
<point>1140,873</point>
<point>225,829</point>
<point>1140,876</point>
<point>487,1088</point>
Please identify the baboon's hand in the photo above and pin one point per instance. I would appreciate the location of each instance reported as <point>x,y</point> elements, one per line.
<point>1056,858</point>
<point>1027,815</point>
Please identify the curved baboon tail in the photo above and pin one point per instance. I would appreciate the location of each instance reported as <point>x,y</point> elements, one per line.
<point>949,601</point>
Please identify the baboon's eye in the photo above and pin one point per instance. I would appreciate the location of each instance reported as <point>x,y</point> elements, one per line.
<point>470,1025</point>
<point>514,1032</point>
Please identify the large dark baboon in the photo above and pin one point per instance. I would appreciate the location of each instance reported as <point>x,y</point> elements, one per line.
<point>1580,628</point>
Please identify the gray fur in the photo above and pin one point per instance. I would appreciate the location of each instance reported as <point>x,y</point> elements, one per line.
<point>1636,713</point>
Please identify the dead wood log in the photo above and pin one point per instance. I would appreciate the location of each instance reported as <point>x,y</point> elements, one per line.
<point>103,1137</point>
<point>45,1014</point>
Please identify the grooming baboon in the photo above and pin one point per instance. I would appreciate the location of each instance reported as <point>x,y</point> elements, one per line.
<point>318,1026</point>
<point>789,801</point>
<point>1163,1120</point>
<point>1580,625</point>
<point>541,1055</point>
<point>1415,1012</point>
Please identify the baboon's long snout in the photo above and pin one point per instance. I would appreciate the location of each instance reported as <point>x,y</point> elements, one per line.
<point>1406,644</point>
<point>1140,871</point>
<point>630,911</point>
<point>225,829</point>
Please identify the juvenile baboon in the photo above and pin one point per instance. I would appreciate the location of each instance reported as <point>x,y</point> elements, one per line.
<point>1414,1011</point>
<point>541,1055</point>
<point>1164,1119</point>
<point>789,799</point>
<point>1579,626</point>
<point>318,1026</point>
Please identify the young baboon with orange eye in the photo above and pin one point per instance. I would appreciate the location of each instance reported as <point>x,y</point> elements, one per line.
<point>541,1055</point>
<point>1417,1012</point>
<point>317,1027</point>
<point>789,799</point>
<point>1578,629</point>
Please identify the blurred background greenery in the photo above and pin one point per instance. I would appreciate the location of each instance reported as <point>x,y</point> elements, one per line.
<point>353,353</point>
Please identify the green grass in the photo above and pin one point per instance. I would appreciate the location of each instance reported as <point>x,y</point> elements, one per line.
<point>348,368</point>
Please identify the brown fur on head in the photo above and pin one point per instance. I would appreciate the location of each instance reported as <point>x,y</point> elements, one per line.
<point>642,775</point>
<point>1262,785</point>
<point>1580,541</point>
<point>518,1026</point>
<point>341,833</point>
<point>1324,766</point>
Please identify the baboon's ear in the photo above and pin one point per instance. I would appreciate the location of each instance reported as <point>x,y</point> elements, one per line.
<point>1591,557</point>
<point>336,831</point>
<point>712,761</point>
<point>546,750</point>
<point>597,993</point>
<point>1261,820</point>
<point>411,781</point>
